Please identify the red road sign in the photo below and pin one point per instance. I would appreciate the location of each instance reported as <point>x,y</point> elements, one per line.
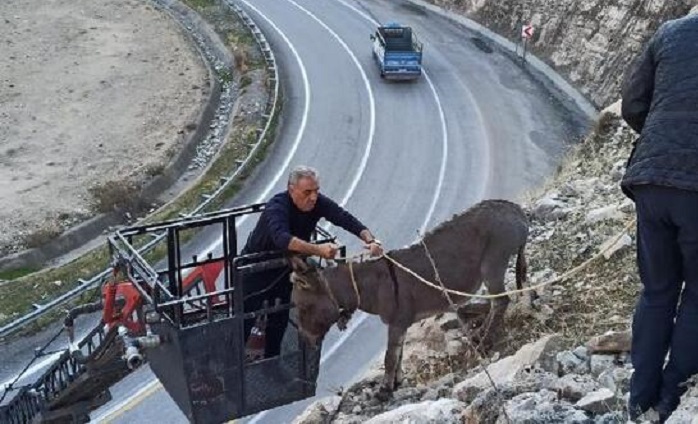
<point>527,31</point>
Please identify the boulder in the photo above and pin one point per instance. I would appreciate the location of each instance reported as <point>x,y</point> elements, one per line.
<point>505,370</point>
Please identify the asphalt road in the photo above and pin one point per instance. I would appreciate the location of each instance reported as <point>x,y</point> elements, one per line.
<point>400,156</point>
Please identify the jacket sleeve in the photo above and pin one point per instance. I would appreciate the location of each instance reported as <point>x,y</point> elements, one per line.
<point>278,225</point>
<point>334,213</point>
<point>638,87</point>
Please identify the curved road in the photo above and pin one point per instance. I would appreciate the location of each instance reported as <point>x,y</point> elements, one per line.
<point>400,156</point>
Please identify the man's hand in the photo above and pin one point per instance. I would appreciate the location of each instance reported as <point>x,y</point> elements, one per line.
<point>375,248</point>
<point>327,250</point>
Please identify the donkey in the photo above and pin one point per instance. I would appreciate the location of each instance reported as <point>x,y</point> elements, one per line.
<point>470,248</point>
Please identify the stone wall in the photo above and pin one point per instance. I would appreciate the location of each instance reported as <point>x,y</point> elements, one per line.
<point>589,42</point>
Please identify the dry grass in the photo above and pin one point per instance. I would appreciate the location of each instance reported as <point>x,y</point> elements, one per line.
<point>602,296</point>
<point>42,235</point>
<point>110,196</point>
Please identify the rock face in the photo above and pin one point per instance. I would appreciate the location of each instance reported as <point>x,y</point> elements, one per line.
<point>507,370</point>
<point>442,411</point>
<point>590,42</point>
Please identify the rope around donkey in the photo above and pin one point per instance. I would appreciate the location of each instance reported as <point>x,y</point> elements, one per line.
<point>447,292</point>
<point>463,324</point>
<point>558,279</point>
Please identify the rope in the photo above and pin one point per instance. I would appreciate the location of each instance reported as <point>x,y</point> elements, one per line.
<point>448,292</point>
<point>454,307</point>
<point>39,353</point>
<point>329,292</point>
<point>562,277</point>
<point>355,284</point>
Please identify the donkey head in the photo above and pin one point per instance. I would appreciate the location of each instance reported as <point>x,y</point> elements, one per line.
<point>317,309</point>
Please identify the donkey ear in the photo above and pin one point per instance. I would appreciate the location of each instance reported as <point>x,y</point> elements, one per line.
<point>297,263</point>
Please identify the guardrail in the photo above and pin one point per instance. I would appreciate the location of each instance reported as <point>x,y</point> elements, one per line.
<point>269,114</point>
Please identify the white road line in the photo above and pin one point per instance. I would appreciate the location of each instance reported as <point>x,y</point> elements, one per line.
<point>488,146</point>
<point>444,156</point>
<point>283,170</point>
<point>371,100</point>
<point>357,177</point>
<point>148,388</point>
<point>306,112</point>
<point>442,117</point>
<point>34,369</point>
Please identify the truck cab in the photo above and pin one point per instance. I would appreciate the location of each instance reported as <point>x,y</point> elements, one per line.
<point>397,52</point>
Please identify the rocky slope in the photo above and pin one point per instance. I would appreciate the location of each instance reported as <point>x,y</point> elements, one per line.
<point>580,221</point>
<point>580,217</point>
<point>553,369</point>
<point>590,42</point>
<point>564,359</point>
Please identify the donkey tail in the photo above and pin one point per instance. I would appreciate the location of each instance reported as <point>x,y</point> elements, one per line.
<point>521,267</point>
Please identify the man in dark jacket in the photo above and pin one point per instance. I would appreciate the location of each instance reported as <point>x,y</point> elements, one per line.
<point>660,101</point>
<point>287,223</point>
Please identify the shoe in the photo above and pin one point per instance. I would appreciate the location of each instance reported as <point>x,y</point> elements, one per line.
<point>665,408</point>
<point>663,414</point>
<point>634,411</point>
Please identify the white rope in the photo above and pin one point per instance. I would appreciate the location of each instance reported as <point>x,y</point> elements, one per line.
<point>562,277</point>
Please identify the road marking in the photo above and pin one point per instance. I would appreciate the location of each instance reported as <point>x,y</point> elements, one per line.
<point>154,384</point>
<point>444,156</point>
<point>34,369</point>
<point>306,112</point>
<point>432,208</point>
<point>357,177</point>
<point>487,146</point>
<point>151,387</point>
<point>115,412</point>
<point>371,100</point>
<point>442,117</point>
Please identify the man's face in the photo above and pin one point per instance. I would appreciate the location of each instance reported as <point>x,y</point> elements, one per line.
<point>304,193</point>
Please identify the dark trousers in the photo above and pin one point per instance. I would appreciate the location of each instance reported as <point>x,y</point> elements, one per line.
<point>268,285</point>
<point>666,315</point>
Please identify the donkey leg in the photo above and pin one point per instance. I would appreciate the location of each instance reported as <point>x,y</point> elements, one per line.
<point>396,337</point>
<point>399,372</point>
<point>522,276</point>
<point>493,271</point>
<point>499,308</point>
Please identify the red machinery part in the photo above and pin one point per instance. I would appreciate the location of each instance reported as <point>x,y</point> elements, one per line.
<point>126,314</point>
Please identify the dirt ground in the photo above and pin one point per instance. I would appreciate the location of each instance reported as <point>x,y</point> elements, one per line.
<point>91,91</point>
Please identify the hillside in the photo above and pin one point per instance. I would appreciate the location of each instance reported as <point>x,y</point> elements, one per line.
<point>566,358</point>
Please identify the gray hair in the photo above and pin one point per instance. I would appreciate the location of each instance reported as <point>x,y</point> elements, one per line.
<point>303,171</point>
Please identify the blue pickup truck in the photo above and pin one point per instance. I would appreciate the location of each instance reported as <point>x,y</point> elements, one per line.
<point>397,52</point>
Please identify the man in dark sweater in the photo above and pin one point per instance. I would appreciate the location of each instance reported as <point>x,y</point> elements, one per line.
<point>660,101</point>
<point>287,223</point>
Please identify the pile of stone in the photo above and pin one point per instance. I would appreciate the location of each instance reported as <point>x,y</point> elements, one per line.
<point>540,383</point>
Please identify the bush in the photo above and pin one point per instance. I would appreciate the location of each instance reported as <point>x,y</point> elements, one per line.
<point>42,235</point>
<point>114,196</point>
